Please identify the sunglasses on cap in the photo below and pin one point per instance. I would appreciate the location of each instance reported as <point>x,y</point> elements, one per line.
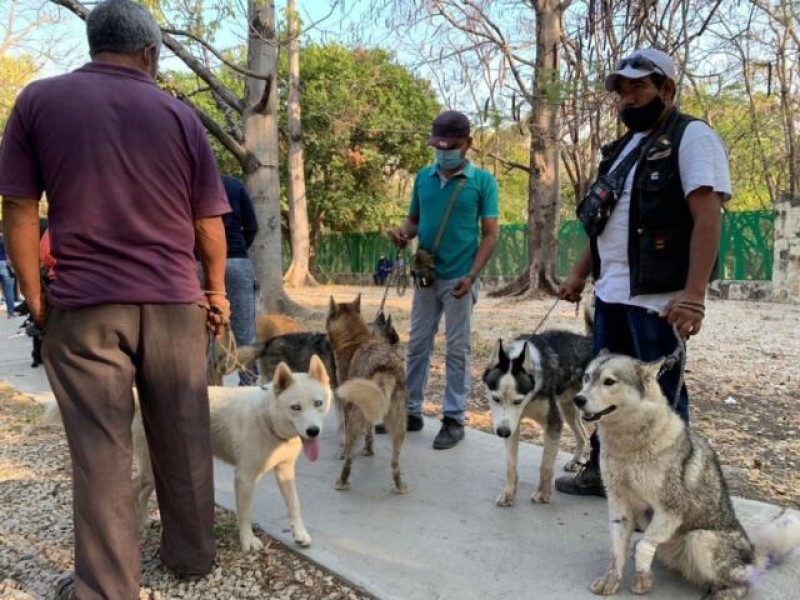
<point>640,63</point>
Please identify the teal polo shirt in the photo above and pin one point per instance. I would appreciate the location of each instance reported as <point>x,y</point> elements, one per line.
<point>477,199</point>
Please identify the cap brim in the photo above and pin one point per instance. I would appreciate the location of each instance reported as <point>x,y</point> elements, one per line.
<point>628,73</point>
<point>445,143</point>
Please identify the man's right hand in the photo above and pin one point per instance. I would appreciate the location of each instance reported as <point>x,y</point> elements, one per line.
<point>37,305</point>
<point>400,237</point>
<point>571,288</point>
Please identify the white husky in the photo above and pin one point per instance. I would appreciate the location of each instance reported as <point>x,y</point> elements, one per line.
<point>255,429</point>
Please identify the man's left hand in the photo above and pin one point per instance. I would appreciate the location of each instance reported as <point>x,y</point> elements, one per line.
<point>219,313</point>
<point>463,287</point>
<point>686,313</point>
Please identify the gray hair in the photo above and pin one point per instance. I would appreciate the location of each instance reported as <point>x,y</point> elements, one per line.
<point>121,27</point>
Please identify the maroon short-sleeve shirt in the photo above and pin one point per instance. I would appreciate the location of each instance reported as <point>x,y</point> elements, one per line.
<point>126,169</point>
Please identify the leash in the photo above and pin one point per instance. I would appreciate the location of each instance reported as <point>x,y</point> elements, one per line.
<point>231,364</point>
<point>547,314</point>
<point>676,358</point>
<point>402,282</point>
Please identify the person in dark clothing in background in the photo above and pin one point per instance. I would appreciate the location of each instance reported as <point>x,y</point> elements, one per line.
<point>240,280</point>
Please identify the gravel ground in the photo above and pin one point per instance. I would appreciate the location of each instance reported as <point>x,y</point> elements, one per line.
<point>743,380</point>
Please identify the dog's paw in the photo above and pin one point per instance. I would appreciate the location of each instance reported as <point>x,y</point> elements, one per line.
<point>573,466</point>
<point>250,543</point>
<point>400,488</point>
<point>642,583</point>
<point>506,498</point>
<point>301,537</point>
<point>541,497</point>
<point>341,486</point>
<point>607,585</point>
<point>368,451</point>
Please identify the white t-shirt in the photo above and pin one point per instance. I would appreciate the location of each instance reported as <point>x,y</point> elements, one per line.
<point>702,161</point>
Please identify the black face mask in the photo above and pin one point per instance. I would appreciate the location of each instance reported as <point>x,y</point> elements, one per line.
<point>642,118</point>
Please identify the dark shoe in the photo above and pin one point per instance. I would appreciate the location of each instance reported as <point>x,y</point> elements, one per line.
<point>413,423</point>
<point>449,435</point>
<point>587,482</point>
<point>65,587</point>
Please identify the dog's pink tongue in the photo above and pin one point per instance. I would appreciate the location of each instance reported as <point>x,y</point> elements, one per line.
<point>311,449</point>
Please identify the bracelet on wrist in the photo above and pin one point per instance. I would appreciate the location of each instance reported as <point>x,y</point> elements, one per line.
<point>214,293</point>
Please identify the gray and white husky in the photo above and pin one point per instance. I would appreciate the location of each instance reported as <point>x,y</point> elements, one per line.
<point>667,480</point>
<point>537,376</point>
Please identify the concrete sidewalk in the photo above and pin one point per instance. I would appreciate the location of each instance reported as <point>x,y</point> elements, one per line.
<point>446,539</point>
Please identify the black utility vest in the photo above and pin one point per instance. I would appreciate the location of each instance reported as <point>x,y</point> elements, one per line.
<point>660,225</point>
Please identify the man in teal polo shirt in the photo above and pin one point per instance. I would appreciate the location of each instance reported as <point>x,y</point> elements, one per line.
<point>463,251</point>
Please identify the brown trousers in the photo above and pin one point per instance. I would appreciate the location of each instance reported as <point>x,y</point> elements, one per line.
<point>93,356</point>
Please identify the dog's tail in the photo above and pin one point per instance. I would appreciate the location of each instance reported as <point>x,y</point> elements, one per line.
<point>372,396</point>
<point>776,540</point>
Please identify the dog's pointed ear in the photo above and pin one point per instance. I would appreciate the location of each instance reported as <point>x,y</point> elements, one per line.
<point>317,370</point>
<point>331,307</point>
<point>381,319</point>
<point>388,322</point>
<point>603,352</point>
<point>357,302</point>
<point>282,378</point>
<point>527,360</point>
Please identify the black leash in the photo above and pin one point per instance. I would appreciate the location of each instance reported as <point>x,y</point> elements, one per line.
<point>395,274</point>
<point>676,358</point>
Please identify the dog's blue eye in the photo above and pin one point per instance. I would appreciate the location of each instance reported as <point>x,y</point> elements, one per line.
<point>608,381</point>
<point>295,407</point>
<point>517,402</point>
<point>586,378</point>
<point>318,403</point>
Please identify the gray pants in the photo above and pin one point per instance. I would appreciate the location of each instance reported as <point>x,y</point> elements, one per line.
<point>240,283</point>
<point>426,312</point>
<point>93,356</point>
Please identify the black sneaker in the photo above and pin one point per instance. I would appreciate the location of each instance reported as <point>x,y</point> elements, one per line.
<point>449,435</point>
<point>413,423</point>
<point>587,482</point>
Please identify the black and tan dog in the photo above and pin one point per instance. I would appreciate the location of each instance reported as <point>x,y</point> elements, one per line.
<point>372,386</point>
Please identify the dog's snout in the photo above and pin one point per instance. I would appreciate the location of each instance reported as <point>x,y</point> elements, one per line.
<point>503,431</point>
<point>580,401</point>
<point>312,431</point>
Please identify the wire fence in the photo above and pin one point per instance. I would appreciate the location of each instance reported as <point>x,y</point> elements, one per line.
<point>745,249</point>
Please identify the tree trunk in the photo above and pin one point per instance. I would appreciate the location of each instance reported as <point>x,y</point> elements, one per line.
<point>298,274</point>
<point>261,139</point>
<point>544,194</point>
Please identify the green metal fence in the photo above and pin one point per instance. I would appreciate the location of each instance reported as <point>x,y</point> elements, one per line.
<point>745,249</point>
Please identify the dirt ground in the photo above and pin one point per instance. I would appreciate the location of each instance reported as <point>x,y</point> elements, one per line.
<point>742,374</point>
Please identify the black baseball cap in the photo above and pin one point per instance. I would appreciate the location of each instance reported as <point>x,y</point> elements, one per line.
<point>449,130</point>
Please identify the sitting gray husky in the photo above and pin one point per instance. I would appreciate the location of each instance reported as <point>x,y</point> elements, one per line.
<point>537,376</point>
<point>668,480</point>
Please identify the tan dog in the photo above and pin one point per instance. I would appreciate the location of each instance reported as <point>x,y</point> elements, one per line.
<point>224,360</point>
<point>373,386</point>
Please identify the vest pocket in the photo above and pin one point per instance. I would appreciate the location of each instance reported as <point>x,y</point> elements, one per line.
<point>663,260</point>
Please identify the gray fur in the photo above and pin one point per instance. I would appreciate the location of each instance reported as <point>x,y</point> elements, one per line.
<point>658,473</point>
<point>121,27</point>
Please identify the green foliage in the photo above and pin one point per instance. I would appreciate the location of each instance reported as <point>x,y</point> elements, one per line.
<point>365,124</point>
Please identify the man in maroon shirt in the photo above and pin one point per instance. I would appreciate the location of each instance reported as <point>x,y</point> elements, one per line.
<point>132,186</point>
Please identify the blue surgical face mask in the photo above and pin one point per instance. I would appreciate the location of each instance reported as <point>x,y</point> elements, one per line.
<point>449,159</point>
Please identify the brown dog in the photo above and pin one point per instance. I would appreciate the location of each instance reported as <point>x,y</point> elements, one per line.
<point>372,386</point>
<point>224,361</point>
